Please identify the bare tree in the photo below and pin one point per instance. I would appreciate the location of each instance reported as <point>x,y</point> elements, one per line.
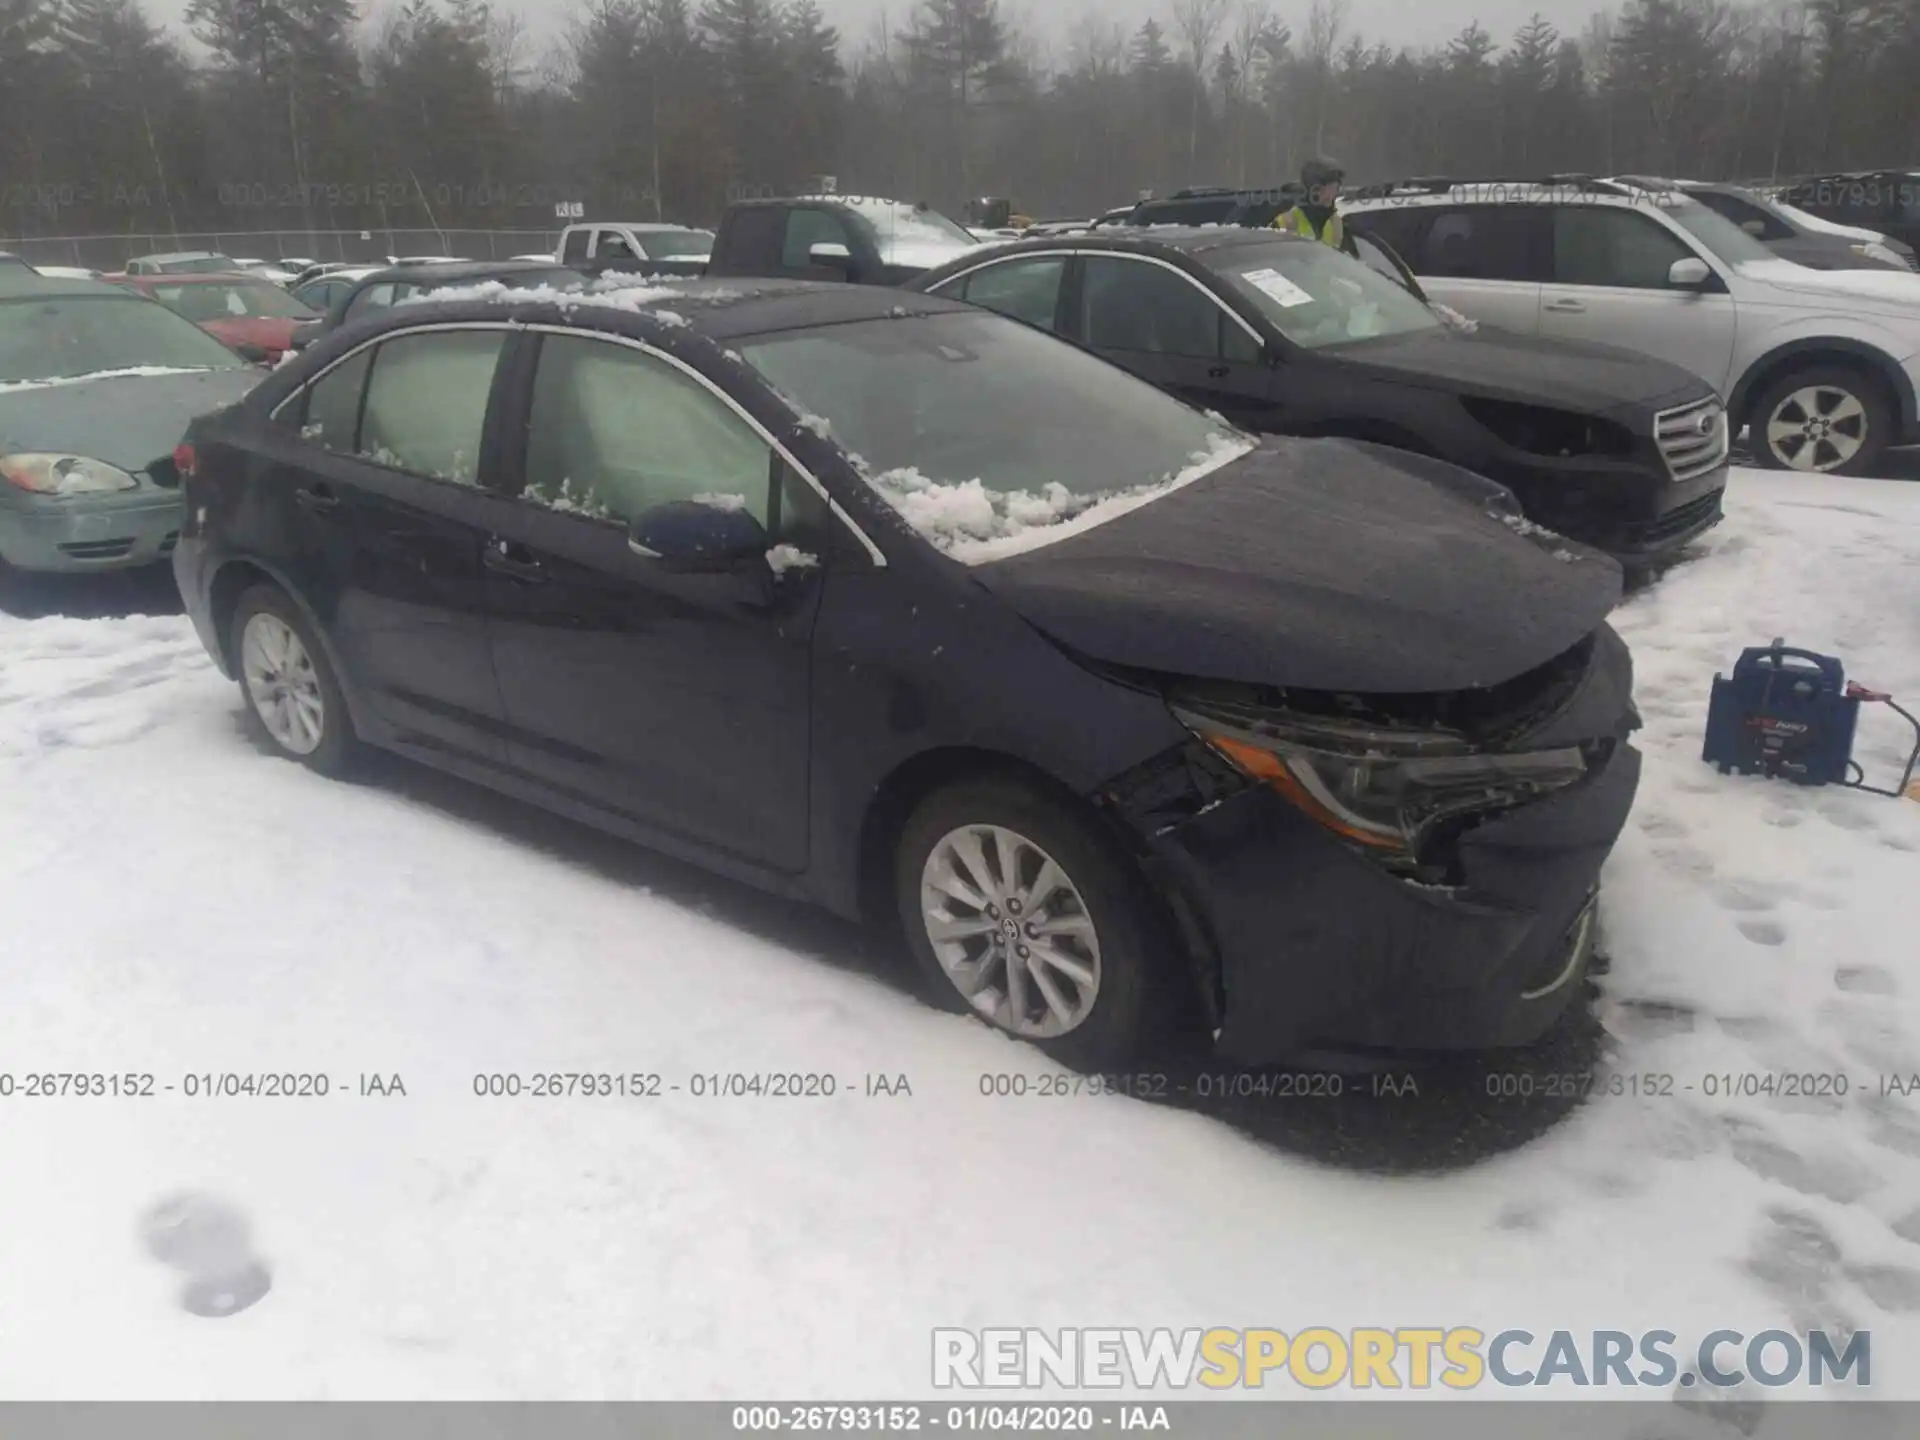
<point>1199,23</point>
<point>1248,48</point>
<point>1325,23</point>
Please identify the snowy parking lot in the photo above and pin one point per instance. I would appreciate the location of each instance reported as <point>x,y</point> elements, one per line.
<point>180,904</point>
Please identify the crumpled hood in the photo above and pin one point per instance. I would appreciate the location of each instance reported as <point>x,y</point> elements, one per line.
<point>1501,365</point>
<point>1317,564</point>
<point>128,420</point>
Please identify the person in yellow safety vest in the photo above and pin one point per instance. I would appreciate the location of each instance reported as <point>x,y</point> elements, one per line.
<point>1314,216</point>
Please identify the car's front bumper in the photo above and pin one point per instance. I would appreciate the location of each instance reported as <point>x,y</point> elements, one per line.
<point>89,532</point>
<point>1633,512</point>
<point>1319,949</point>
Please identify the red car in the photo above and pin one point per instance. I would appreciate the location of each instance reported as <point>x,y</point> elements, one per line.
<point>253,316</point>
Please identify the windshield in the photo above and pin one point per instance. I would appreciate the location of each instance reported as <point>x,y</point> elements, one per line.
<point>1718,234</point>
<point>58,339</point>
<point>678,244</point>
<point>985,433</point>
<point>899,224</point>
<point>1318,297</point>
<point>240,300</point>
<point>198,265</point>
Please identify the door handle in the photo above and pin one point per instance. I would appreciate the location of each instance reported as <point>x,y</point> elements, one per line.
<point>1566,307</point>
<point>514,560</point>
<point>317,498</point>
<point>1218,372</point>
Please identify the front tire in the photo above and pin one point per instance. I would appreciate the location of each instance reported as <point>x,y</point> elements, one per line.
<point>1022,914</point>
<point>1824,420</point>
<point>293,698</point>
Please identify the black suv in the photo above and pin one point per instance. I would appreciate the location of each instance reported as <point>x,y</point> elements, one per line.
<point>1287,336</point>
<point>1884,200</point>
<point>1216,205</point>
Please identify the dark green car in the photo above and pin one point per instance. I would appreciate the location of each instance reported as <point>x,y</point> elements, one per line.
<point>96,388</point>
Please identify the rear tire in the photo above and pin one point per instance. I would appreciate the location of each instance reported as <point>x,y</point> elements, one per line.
<point>294,701</point>
<point>1823,420</point>
<point>1021,913</point>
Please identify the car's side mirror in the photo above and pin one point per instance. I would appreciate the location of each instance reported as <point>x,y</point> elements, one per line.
<point>696,535</point>
<point>831,255</point>
<point>1689,273</point>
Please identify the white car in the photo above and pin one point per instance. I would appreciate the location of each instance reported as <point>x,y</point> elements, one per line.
<point>67,272</point>
<point>609,244</point>
<point>1822,367</point>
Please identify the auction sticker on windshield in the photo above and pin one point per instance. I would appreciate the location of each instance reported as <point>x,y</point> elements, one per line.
<point>1278,288</point>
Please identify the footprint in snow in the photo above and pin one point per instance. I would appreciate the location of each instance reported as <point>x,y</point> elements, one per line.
<point>1745,899</point>
<point>1907,1227</point>
<point>1523,1215</point>
<point>1762,932</point>
<point>1786,819</point>
<point>1849,818</point>
<point>1865,980</point>
<point>1794,1255</point>
<point>1685,862</point>
<point>1893,1127</point>
<point>1891,1287</point>
<point>1662,826</point>
<point>1751,1028</point>
<point>1830,1177</point>
<point>1652,1019</point>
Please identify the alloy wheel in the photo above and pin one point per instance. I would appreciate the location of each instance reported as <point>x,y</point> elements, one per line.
<point>1817,428</point>
<point>282,684</point>
<point>1011,930</point>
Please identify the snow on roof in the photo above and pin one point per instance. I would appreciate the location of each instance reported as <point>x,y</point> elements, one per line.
<point>635,299</point>
<point>975,525</point>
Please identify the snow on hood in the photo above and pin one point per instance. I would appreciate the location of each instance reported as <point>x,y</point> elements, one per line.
<point>1893,288</point>
<point>975,524</point>
<point>1827,227</point>
<point>135,372</point>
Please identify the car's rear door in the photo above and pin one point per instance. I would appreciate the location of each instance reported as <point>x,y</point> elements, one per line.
<point>1486,261</point>
<point>385,472</point>
<point>676,701</point>
<point>1154,319</point>
<point>1610,284</point>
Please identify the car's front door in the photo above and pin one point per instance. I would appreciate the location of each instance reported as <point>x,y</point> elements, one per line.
<point>1610,284</point>
<point>1164,326</point>
<point>676,700</point>
<point>391,455</point>
<point>1486,261</point>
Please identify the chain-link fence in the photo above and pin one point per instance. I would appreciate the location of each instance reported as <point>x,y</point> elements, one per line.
<point>372,247</point>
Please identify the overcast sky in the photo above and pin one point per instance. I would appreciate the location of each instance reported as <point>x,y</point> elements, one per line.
<point>1398,22</point>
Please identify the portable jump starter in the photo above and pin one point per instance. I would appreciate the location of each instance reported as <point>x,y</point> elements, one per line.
<point>1791,714</point>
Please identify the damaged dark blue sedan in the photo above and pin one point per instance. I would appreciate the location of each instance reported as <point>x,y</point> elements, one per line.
<point>1122,717</point>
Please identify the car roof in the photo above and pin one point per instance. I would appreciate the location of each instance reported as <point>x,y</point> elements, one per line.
<point>1194,241</point>
<point>182,255</point>
<point>54,287</point>
<point>455,271</point>
<point>198,277</point>
<point>639,227</point>
<point>720,310</point>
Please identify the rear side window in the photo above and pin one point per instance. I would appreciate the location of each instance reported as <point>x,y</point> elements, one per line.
<point>808,228</point>
<point>755,235</point>
<point>333,405</point>
<point>426,407</point>
<point>1483,242</point>
<point>1026,290</point>
<point>1748,216</point>
<point>615,432</point>
<point>1617,248</point>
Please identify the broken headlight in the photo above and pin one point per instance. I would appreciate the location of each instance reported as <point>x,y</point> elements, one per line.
<point>1384,791</point>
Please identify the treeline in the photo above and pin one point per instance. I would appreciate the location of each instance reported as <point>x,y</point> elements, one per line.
<point>297,114</point>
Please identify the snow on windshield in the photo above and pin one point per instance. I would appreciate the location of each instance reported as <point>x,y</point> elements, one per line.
<point>975,524</point>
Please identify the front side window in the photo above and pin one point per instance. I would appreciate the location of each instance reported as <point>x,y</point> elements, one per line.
<point>1136,306</point>
<point>678,244</point>
<point>1318,297</point>
<point>1027,290</point>
<point>575,250</point>
<point>426,407</point>
<point>614,247</point>
<point>615,432</point>
<point>1610,247</point>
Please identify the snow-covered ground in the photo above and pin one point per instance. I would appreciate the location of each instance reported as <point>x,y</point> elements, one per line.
<point>175,902</point>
